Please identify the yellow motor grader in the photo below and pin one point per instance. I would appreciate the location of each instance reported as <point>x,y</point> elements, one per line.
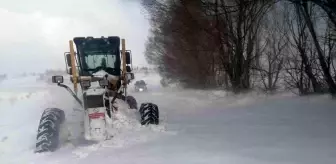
<point>102,72</point>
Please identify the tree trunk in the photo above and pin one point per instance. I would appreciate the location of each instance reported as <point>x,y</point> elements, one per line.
<point>326,72</point>
<point>308,70</point>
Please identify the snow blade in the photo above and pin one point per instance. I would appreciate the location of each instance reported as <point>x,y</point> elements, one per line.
<point>49,129</point>
<point>149,113</point>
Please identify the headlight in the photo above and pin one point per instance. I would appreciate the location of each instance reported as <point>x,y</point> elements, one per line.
<point>140,89</point>
<point>103,82</point>
<point>86,83</point>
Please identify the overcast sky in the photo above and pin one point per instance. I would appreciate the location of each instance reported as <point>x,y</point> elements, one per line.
<point>34,34</point>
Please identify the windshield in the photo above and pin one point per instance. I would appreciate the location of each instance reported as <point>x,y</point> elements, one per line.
<point>95,61</point>
<point>104,60</point>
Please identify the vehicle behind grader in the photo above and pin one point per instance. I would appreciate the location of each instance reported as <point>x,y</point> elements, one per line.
<point>103,72</point>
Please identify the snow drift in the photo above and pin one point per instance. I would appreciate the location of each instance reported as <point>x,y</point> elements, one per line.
<point>197,127</point>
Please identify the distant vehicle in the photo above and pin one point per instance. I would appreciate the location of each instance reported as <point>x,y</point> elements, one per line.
<point>140,86</point>
<point>3,77</point>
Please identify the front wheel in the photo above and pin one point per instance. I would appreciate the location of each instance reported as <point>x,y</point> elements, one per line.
<point>149,113</point>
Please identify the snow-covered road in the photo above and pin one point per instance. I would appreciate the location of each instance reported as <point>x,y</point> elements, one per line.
<point>196,127</point>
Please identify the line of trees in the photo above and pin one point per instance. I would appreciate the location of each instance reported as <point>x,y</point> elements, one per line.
<point>240,45</point>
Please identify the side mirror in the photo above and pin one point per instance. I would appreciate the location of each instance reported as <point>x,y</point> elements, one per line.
<point>68,59</point>
<point>128,57</point>
<point>57,79</point>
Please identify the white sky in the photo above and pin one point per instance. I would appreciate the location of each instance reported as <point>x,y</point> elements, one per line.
<point>34,34</point>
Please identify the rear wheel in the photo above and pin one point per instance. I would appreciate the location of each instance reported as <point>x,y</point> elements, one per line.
<point>48,135</point>
<point>149,113</point>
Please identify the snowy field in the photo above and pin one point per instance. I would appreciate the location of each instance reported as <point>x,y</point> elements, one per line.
<point>209,127</point>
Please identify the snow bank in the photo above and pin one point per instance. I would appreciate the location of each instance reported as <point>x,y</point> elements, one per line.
<point>196,127</point>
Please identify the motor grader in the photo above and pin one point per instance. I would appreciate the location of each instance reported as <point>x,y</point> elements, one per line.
<point>102,69</point>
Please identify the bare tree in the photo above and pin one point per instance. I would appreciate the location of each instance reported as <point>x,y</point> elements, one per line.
<point>237,24</point>
<point>329,47</point>
<point>179,44</point>
<point>272,52</point>
<point>299,40</point>
<point>207,43</point>
<point>304,9</point>
<point>328,6</point>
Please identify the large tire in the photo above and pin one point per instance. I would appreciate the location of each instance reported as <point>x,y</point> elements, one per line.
<point>149,113</point>
<point>48,134</point>
<point>131,101</point>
